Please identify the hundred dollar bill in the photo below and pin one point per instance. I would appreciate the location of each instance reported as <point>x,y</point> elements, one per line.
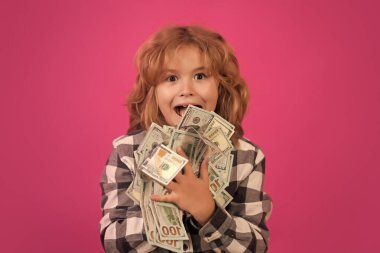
<point>149,220</point>
<point>218,145</point>
<point>149,224</point>
<point>200,134</point>
<point>135,189</point>
<point>223,167</point>
<point>200,149</point>
<point>137,157</point>
<point>217,136</point>
<point>188,141</point>
<point>163,164</point>
<point>195,117</point>
<point>159,189</point>
<point>154,136</point>
<point>168,222</point>
<point>219,161</point>
<point>172,245</point>
<point>168,129</point>
<point>223,198</point>
<point>216,183</point>
<point>200,155</point>
<point>223,121</point>
<point>218,122</point>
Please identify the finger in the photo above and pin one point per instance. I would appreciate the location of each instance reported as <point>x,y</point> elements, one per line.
<point>161,198</point>
<point>204,170</point>
<point>179,177</point>
<point>181,152</point>
<point>171,186</point>
<point>188,169</point>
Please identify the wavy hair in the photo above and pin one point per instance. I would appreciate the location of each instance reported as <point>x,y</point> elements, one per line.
<point>150,62</point>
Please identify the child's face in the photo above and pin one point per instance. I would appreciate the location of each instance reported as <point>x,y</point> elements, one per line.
<point>186,82</point>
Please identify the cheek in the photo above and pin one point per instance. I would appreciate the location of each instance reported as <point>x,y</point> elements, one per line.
<point>160,98</point>
<point>164,100</point>
<point>211,97</point>
<point>215,93</point>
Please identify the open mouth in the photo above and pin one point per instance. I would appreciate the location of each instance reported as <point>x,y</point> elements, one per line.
<point>180,109</point>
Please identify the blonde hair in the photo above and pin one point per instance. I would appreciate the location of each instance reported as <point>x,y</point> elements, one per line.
<point>150,62</point>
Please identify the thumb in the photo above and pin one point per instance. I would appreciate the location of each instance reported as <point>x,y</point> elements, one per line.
<point>204,170</point>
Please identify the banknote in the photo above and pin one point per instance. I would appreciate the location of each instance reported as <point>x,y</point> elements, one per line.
<point>168,129</point>
<point>223,167</point>
<point>200,134</point>
<point>219,122</point>
<point>217,137</point>
<point>199,156</point>
<point>146,212</point>
<point>135,189</point>
<point>223,198</point>
<point>223,121</point>
<point>168,217</point>
<point>163,164</point>
<point>195,117</point>
<point>190,143</point>
<point>187,141</point>
<point>216,183</point>
<point>137,157</point>
<point>172,245</point>
<point>150,227</point>
<point>169,223</point>
<point>154,136</point>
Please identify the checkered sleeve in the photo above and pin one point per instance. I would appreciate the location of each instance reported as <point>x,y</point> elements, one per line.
<point>121,227</point>
<point>241,226</point>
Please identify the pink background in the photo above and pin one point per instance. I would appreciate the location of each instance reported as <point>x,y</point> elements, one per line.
<point>313,71</point>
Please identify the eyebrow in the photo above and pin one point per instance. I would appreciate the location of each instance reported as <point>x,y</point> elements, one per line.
<point>196,69</point>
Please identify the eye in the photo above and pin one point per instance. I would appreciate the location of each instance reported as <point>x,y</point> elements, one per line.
<point>171,78</point>
<point>200,76</point>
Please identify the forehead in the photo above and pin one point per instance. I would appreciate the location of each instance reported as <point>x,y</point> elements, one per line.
<point>185,54</point>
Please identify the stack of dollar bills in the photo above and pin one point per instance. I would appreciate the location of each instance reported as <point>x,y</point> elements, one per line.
<point>200,134</point>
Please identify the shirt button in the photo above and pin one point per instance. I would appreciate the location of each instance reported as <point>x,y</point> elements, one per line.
<point>185,247</point>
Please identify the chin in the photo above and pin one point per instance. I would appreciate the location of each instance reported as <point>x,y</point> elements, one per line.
<point>174,121</point>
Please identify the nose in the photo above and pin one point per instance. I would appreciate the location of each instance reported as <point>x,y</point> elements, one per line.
<point>187,88</point>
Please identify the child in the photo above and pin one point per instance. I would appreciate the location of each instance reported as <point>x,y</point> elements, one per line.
<point>178,66</point>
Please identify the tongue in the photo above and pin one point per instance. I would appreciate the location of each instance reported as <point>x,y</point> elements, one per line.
<point>182,111</point>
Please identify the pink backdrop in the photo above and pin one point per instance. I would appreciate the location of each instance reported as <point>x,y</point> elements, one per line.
<point>313,71</point>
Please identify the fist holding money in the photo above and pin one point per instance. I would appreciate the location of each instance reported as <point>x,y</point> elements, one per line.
<point>188,167</point>
<point>190,193</point>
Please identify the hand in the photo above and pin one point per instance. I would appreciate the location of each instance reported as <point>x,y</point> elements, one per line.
<point>190,193</point>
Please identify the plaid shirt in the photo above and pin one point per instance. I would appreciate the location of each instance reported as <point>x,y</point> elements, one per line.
<point>240,227</point>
